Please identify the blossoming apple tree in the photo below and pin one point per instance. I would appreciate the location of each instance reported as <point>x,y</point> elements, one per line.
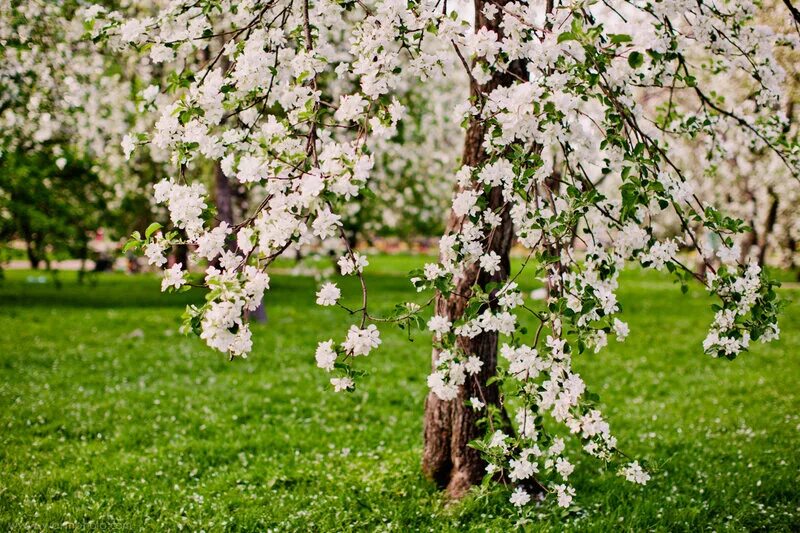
<point>64,108</point>
<point>735,170</point>
<point>560,157</point>
<point>753,183</point>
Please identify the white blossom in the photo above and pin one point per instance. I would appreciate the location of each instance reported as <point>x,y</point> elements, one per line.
<point>634,473</point>
<point>341,384</point>
<point>519,497</point>
<point>439,325</point>
<point>352,263</point>
<point>325,355</point>
<point>362,341</point>
<point>328,294</point>
<point>490,262</point>
<point>173,277</point>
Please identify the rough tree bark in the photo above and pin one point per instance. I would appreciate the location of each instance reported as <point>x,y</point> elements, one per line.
<point>769,225</point>
<point>750,239</point>
<point>223,195</point>
<point>33,258</point>
<point>451,425</point>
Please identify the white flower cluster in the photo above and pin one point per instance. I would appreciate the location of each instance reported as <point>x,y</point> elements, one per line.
<point>221,323</point>
<point>359,342</point>
<point>729,335</point>
<point>581,286</point>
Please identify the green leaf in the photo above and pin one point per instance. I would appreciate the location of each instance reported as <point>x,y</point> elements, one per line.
<point>619,38</point>
<point>566,36</point>
<point>131,245</point>
<point>152,228</point>
<point>635,59</point>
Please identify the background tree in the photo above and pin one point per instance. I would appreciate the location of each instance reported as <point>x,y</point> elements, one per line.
<point>64,110</point>
<point>733,165</point>
<point>54,208</point>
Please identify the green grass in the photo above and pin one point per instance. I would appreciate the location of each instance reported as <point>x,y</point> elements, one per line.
<point>111,420</point>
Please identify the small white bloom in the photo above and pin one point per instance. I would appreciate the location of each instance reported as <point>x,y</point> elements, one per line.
<point>439,325</point>
<point>325,355</point>
<point>432,271</point>
<point>128,145</point>
<point>564,494</point>
<point>498,440</point>
<point>634,473</point>
<point>155,254</point>
<point>325,224</point>
<point>564,467</point>
<point>473,365</point>
<point>328,294</point>
<point>349,265</point>
<point>476,403</point>
<point>133,31</point>
<point>161,53</point>
<point>464,202</point>
<point>621,329</point>
<point>173,277</point>
<point>350,106</point>
<point>490,262</point>
<point>340,384</point>
<point>211,243</point>
<point>244,239</point>
<point>519,497</point>
<point>362,341</point>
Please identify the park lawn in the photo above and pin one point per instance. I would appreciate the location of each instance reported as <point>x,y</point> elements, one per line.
<point>112,420</point>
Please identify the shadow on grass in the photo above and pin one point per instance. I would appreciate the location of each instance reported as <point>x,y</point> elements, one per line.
<point>118,291</point>
<point>105,291</point>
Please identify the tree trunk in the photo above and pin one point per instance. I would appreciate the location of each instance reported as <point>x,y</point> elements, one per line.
<point>223,191</point>
<point>769,225</point>
<point>33,258</point>
<point>223,200</point>
<point>181,252</point>
<point>750,238</point>
<point>223,195</point>
<point>451,425</point>
<point>748,242</point>
<point>793,247</point>
<point>30,246</point>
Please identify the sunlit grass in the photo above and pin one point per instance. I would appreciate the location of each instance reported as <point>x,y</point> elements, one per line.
<point>112,420</point>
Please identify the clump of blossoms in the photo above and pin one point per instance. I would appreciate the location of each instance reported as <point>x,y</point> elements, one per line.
<point>62,97</point>
<point>572,164</point>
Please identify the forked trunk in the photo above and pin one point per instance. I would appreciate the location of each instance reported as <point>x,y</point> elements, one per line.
<point>451,425</point>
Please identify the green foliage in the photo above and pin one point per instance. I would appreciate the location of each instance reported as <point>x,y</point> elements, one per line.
<point>54,210</point>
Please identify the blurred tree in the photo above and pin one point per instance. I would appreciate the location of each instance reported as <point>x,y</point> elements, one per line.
<point>55,207</point>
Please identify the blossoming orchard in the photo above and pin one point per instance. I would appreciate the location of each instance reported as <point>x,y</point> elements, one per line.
<point>543,142</point>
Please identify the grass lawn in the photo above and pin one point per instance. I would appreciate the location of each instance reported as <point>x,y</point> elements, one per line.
<point>111,420</point>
